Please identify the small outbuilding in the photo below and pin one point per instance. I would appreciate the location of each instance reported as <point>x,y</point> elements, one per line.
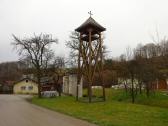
<point>70,85</point>
<point>25,86</point>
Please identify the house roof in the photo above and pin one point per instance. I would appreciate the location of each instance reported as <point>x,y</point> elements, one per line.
<point>90,22</point>
<point>26,78</point>
<point>44,80</point>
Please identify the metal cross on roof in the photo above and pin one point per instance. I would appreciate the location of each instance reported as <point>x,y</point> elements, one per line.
<point>90,13</point>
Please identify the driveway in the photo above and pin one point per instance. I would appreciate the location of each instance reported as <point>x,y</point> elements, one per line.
<point>16,111</point>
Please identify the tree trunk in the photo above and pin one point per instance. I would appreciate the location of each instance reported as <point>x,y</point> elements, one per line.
<point>38,81</point>
<point>39,87</point>
<point>125,86</point>
<point>147,89</point>
<point>136,90</point>
<point>90,92</point>
<point>132,89</point>
<point>140,87</point>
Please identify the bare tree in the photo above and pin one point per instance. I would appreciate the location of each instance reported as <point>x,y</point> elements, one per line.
<point>129,53</point>
<point>35,49</point>
<point>131,66</point>
<point>58,71</point>
<point>73,44</point>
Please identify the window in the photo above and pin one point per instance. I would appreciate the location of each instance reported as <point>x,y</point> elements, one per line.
<point>30,88</point>
<point>23,88</point>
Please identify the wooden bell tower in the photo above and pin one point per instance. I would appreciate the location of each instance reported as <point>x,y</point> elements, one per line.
<point>90,57</point>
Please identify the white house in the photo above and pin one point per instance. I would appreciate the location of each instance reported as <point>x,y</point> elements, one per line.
<point>25,86</point>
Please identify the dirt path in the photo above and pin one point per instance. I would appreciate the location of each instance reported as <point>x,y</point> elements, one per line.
<point>15,111</point>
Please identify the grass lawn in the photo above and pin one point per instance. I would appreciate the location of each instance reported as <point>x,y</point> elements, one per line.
<point>116,111</point>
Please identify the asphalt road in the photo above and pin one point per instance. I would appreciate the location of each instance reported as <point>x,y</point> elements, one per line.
<point>16,111</point>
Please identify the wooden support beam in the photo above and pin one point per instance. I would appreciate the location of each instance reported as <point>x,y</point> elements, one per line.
<point>79,70</point>
<point>90,63</point>
<point>101,65</point>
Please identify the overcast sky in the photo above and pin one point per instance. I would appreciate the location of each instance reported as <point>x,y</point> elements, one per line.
<point>128,22</point>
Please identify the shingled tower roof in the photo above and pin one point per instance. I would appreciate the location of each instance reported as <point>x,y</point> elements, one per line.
<point>90,23</point>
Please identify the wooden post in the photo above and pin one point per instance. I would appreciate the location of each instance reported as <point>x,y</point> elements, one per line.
<point>79,69</point>
<point>101,66</point>
<point>90,65</point>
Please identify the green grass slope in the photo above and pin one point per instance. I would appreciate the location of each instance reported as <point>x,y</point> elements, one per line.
<point>116,111</point>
